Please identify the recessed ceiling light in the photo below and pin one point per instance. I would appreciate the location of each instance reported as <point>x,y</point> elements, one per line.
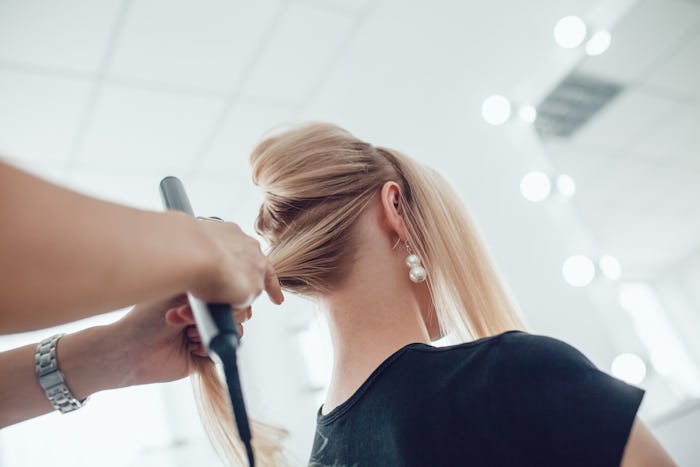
<point>566,185</point>
<point>610,267</point>
<point>578,270</point>
<point>629,368</point>
<point>535,186</point>
<point>496,109</point>
<point>527,113</point>
<point>598,43</point>
<point>569,32</point>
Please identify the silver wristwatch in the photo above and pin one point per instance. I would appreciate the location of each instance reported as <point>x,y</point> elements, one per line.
<point>51,378</point>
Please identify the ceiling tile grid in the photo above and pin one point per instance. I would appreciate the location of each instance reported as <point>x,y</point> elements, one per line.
<point>642,39</point>
<point>137,189</point>
<point>625,118</point>
<point>671,137</point>
<point>39,114</point>
<point>245,124</point>
<point>145,129</point>
<point>204,44</point>
<point>681,72</point>
<point>299,52</point>
<point>70,34</point>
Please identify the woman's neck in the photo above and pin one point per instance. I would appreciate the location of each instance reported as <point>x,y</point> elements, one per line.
<point>373,314</point>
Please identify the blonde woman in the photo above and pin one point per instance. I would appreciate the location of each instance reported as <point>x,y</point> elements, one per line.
<point>387,250</point>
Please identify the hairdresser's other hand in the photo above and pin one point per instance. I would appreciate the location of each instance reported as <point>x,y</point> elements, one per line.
<point>162,340</point>
<point>238,270</point>
<point>156,345</point>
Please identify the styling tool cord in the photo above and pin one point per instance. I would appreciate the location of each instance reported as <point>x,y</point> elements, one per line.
<point>216,326</point>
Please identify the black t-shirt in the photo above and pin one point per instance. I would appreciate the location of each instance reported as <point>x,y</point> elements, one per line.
<point>506,400</point>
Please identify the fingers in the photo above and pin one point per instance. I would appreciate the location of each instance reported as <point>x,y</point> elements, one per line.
<point>179,316</point>
<point>272,286</point>
<point>242,315</point>
<point>193,335</point>
<point>197,350</point>
<point>194,340</point>
<point>242,271</point>
<point>183,316</point>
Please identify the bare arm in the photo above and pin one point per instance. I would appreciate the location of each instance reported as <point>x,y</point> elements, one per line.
<point>90,361</point>
<point>155,342</point>
<point>643,449</point>
<point>65,256</point>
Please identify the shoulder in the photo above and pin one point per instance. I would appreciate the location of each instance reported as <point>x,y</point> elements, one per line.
<point>518,349</point>
<point>557,394</point>
<point>512,350</point>
<point>550,372</point>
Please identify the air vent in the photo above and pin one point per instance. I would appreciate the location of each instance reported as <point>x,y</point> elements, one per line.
<point>572,103</point>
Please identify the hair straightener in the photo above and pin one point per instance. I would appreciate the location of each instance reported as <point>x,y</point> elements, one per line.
<point>215,324</point>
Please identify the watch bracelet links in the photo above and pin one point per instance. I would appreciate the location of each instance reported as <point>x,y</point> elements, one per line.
<point>51,379</point>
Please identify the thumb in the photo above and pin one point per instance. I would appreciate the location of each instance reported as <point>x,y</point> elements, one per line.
<point>179,316</point>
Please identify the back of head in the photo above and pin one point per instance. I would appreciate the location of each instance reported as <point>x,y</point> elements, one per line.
<point>318,180</point>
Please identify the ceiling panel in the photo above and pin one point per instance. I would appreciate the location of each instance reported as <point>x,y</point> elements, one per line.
<point>681,73</point>
<point>626,117</point>
<point>70,34</point>
<point>39,115</point>
<point>639,210</point>
<point>142,129</point>
<point>646,187</point>
<point>300,50</point>
<point>642,38</point>
<point>205,44</point>
<point>135,189</point>
<point>672,137</point>
<point>604,183</point>
<point>227,198</point>
<point>243,128</point>
<point>578,161</point>
<point>347,5</point>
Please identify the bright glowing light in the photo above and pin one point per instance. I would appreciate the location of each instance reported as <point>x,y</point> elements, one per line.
<point>527,113</point>
<point>569,32</point>
<point>535,186</point>
<point>599,43</point>
<point>578,270</point>
<point>629,368</point>
<point>496,110</point>
<point>566,185</point>
<point>610,267</point>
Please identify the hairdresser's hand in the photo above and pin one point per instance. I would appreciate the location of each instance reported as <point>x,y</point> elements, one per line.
<point>156,336</point>
<point>162,340</point>
<point>154,342</point>
<point>239,271</point>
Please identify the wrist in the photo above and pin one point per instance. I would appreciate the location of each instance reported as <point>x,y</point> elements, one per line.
<point>198,252</point>
<point>93,360</point>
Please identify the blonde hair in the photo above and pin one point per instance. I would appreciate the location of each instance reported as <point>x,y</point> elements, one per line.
<point>318,179</point>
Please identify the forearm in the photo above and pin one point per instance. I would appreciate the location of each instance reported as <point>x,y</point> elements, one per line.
<point>90,360</point>
<point>77,256</point>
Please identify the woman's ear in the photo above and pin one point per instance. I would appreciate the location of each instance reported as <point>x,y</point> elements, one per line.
<point>393,211</point>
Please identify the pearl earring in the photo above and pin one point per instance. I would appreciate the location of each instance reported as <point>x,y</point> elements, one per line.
<point>417,272</point>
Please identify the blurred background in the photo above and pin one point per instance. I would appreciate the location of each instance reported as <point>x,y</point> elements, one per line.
<point>570,127</point>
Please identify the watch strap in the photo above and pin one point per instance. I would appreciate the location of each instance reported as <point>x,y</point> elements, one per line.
<point>51,379</point>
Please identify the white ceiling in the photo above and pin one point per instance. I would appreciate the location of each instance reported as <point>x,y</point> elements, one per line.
<point>637,162</point>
